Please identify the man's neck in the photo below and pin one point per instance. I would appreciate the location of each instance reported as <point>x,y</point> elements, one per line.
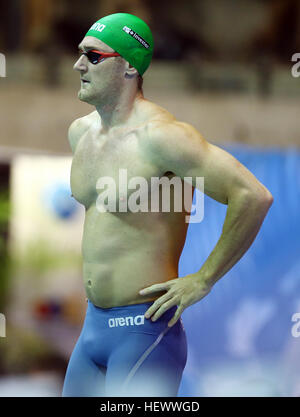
<point>119,110</point>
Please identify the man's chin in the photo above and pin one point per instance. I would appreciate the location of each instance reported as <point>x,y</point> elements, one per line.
<point>92,99</point>
<point>83,96</point>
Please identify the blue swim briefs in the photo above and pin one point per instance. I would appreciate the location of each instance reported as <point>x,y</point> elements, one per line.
<point>121,353</point>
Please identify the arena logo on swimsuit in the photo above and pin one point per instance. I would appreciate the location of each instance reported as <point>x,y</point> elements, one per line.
<point>126,321</point>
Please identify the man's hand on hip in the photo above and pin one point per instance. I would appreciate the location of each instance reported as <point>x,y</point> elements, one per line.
<point>182,292</point>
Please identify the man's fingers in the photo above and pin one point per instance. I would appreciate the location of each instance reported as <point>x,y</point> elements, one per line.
<point>176,316</point>
<point>163,308</point>
<point>154,288</point>
<point>157,304</point>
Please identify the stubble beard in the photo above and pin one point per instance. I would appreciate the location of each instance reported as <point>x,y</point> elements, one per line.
<point>86,97</point>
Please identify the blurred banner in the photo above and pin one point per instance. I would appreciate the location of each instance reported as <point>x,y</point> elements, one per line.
<point>46,226</point>
<point>43,210</point>
<point>240,336</point>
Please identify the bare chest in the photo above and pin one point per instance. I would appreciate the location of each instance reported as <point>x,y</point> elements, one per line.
<point>102,163</point>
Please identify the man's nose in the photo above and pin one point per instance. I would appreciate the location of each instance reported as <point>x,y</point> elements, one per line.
<point>80,64</point>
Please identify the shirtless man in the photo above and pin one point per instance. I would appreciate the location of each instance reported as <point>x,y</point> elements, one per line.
<point>133,342</point>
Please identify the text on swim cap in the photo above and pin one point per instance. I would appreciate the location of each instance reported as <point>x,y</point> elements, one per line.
<point>136,36</point>
<point>98,26</point>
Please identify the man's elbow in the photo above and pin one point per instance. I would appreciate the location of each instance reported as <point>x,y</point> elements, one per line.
<point>263,199</point>
<point>270,199</point>
<point>267,198</point>
<point>255,198</point>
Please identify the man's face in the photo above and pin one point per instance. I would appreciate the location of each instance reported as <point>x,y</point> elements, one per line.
<point>100,82</point>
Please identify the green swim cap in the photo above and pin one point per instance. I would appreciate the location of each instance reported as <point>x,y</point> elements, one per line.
<point>128,35</point>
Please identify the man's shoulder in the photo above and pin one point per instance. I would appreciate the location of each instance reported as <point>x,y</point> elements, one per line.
<point>160,122</point>
<point>173,142</point>
<point>79,126</point>
<point>165,132</point>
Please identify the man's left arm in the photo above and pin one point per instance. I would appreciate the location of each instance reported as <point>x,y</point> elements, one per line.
<point>182,150</point>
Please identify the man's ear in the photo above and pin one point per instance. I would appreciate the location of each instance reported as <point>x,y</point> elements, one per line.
<point>130,71</point>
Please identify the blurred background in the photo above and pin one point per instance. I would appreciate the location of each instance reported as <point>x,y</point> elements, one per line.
<point>223,66</point>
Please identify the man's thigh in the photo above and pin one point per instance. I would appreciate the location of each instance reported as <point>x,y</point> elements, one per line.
<point>147,364</point>
<point>84,378</point>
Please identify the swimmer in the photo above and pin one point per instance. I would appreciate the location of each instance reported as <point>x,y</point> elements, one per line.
<point>133,342</point>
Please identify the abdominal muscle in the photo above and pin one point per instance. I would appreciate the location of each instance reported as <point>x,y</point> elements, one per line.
<point>123,254</point>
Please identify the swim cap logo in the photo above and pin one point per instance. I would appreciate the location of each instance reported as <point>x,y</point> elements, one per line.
<point>97,26</point>
<point>127,30</point>
<point>136,36</point>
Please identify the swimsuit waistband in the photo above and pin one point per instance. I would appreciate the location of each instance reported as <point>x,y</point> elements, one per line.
<point>125,307</point>
<point>129,316</point>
